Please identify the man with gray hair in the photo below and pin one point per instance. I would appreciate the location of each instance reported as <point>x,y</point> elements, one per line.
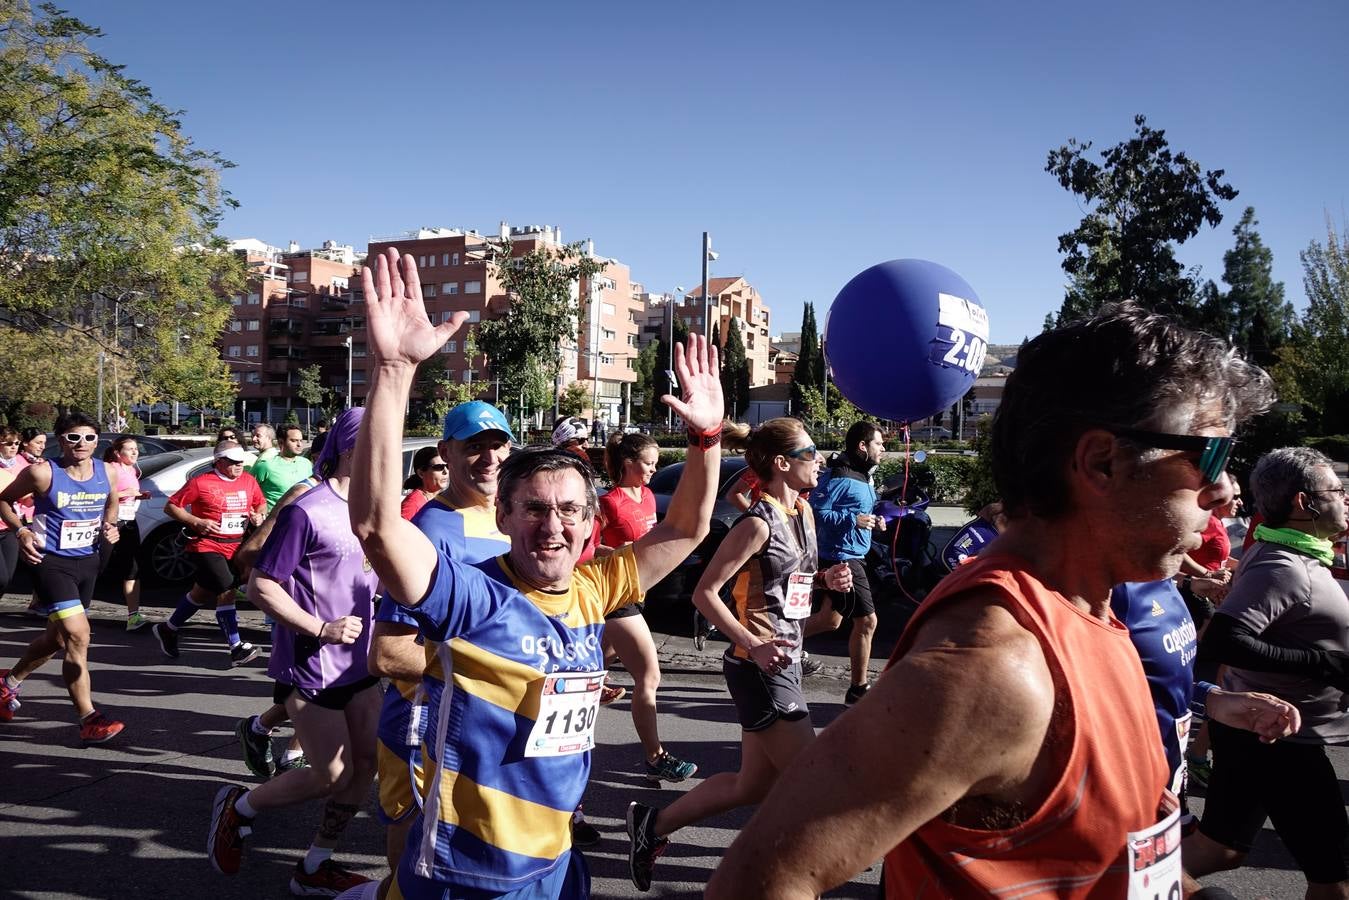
<point>1283,630</point>
<point>1011,747</point>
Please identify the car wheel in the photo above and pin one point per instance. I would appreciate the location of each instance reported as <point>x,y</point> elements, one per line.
<point>164,556</point>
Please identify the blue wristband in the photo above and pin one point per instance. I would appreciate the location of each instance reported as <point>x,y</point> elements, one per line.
<point>1199,700</point>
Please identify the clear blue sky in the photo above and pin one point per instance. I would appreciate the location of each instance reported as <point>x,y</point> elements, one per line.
<point>812,140</point>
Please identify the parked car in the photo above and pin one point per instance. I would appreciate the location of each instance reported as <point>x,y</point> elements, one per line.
<point>148,446</point>
<point>677,587</point>
<point>163,542</point>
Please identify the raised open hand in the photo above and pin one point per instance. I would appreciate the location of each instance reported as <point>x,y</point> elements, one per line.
<point>699,371</point>
<point>398,330</point>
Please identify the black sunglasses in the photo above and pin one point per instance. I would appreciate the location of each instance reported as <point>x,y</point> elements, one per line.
<point>1213,451</point>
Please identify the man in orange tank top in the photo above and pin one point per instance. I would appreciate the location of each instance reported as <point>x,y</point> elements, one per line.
<point>1011,747</point>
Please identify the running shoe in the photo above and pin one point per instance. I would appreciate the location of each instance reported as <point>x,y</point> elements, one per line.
<point>168,639</point>
<point>298,762</point>
<point>702,630</point>
<point>135,622</point>
<point>611,693</point>
<point>9,698</point>
<point>855,693</point>
<point>329,881</point>
<point>583,834</point>
<point>669,768</point>
<point>257,748</point>
<point>242,652</point>
<point>225,840</point>
<point>1198,770</point>
<point>644,847</point>
<point>809,665</point>
<point>97,728</point>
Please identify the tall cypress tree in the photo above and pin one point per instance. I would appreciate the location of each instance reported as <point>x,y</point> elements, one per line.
<point>735,372</point>
<point>810,361</point>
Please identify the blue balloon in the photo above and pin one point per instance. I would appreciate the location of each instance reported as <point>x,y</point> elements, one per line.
<point>905,339</point>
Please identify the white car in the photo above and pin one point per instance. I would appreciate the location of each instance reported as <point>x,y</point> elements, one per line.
<point>163,558</point>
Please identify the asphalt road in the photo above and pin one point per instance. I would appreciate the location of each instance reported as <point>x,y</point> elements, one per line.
<point>129,818</point>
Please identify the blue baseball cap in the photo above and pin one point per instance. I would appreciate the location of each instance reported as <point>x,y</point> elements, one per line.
<point>474,417</point>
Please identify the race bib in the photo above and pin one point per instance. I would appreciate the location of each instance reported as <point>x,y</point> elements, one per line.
<point>1154,861</point>
<point>126,510</point>
<point>568,707</point>
<point>1183,739</point>
<point>78,534</point>
<point>232,524</point>
<point>799,588</point>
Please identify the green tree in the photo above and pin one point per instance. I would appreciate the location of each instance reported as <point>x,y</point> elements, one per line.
<point>981,489</point>
<point>735,372</point>
<point>645,366</point>
<point>107,214</point>
<point>716,335</point>
<point>522,345</point>
<point>660,380</point>
<point>1252,313</point>
<point>575,398</point>
<point>1141,200</point>
<point>312,393</point>
<point>1319,365</point>
<point>809,373</point>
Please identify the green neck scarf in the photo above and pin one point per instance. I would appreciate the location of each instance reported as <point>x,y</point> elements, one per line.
<point>1317,548</point>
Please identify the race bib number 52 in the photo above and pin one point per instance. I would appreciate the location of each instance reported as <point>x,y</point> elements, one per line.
<point>568,707</point>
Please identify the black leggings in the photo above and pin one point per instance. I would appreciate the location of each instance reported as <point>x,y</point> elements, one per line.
<point>9,557</point>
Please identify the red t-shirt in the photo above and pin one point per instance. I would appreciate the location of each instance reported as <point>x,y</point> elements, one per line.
<point>223,501</point>
<point>413,503</point>
<point>1215,547</point>
<point>626,519</point>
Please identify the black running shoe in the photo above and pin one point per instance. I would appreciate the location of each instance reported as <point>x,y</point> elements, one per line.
<point>168,639</point>
<point>644,847</point>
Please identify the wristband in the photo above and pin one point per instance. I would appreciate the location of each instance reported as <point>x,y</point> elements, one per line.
<point>1199,699</point>
<point>705,440</point>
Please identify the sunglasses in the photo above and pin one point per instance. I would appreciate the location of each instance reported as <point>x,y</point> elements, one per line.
<point>439,467</point>
<point>75,437</point>
<point>806,453</point>
<point>1213,451</point>
<point>9,443</point>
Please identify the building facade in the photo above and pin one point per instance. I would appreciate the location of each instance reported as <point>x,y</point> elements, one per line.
<point>734,300</point>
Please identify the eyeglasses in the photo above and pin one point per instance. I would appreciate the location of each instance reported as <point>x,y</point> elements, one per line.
<point>75,437</point>
<point>537,511</point>
<point>1335,490</point>
<point>1213,451</point>
<point>806,453</point>
<point>9,443</point>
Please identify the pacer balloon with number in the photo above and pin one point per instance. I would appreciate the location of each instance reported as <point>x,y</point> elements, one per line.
<point>905,339</point>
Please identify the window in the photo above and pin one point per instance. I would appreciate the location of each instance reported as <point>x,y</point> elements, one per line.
<point>468,375</point>
<point>254,324</point>
<point>428,290</point>
<point>236,377</point>
<point>236,325</point>
<point>632,340</point>
<point>607,308</point>
<point>474,315</point>
<point>357,350</point>
<point>472,287</point>
<point>253,350</point>
<point>456,259</point>
<point>632,363</point>
<point>237,300</point>
<point>254,378</point>
<point>451,346</point>
<point>299,277</point>
<point>450,287</point>
<point>421,262</point>
<point>608,335</point>
<point>358,376</point>
<point>233,352</point>
<point>445,348</point>
<point>254,299</point>
<point>606,359</point>
<point>444,259</point>
<point>299,300</point>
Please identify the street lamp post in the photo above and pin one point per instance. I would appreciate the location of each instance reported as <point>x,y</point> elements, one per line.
<point>348,371</point>
<point>669,363</point>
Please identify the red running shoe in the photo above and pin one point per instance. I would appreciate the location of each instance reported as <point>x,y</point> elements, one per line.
<point>98,728</point>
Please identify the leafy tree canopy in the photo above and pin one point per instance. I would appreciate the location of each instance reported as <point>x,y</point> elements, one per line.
<point>1140,199</point>
<point>107,213</point>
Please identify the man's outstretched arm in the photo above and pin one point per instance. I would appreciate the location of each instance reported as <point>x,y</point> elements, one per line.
<point>400,337</point>
<point>964,713</point>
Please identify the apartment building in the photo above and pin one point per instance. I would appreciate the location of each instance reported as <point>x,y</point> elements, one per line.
<point>735,300</point>
<point>293,312</point>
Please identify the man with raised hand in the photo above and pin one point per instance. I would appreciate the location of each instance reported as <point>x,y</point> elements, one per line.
<point>1010,748</point>
<point>521,633</point>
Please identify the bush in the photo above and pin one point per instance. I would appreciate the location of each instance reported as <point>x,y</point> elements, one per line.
<point>946,479</point>
<point>1336,446</point>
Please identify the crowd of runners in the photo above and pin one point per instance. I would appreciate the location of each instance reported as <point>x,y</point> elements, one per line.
<point>1094,650</point>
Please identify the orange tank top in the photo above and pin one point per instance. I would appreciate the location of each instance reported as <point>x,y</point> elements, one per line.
<point>1073,845</point>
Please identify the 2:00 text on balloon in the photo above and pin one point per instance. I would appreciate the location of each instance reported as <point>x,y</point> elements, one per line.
<point>966,352</point>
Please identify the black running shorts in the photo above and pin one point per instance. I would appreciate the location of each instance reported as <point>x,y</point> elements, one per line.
<point>214,573</point>
<point>760,698</point>
<point>857,603</point>
<point>334,698</point>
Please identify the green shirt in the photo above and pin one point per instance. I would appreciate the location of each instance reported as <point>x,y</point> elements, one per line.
<point>278,474</point>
